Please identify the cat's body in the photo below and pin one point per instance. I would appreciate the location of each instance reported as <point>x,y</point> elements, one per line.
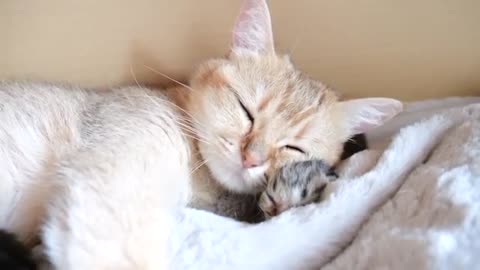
<point>73,142</point>
<point>106,176</point>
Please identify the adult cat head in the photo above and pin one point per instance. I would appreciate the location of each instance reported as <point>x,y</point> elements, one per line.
<point>256,111</point>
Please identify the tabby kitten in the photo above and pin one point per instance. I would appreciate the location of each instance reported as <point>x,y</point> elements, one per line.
<point>294,185</point>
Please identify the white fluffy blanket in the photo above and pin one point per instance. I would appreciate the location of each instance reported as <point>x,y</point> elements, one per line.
<point>433,221</point>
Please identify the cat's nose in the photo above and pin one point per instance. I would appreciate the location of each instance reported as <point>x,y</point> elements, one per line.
<point>251,159</point>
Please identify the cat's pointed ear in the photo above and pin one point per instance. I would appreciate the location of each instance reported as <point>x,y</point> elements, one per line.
<point>253,28</point>
<point>365,114</point>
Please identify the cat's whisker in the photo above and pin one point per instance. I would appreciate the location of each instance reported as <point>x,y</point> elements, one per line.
<point>190,125</point>
<point>196,134</point>
<point>191,118</point>
<point>168,77</point>
<point>195,138</point>
<point>193,132</point>
<point>170,102</point>
<point>198,162</point>
<point>216,153</point>
<point>198,166</point>
<point>134,76</point>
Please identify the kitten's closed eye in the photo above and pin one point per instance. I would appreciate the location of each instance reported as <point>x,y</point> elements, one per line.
<point>271,198</point>
<point>271,208</point>
<point>265,179</point>
<point>304,193</point>
<point>274,185</point>
<point>318,192</point>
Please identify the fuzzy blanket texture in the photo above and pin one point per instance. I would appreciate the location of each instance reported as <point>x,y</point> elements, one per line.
<point>433,221</point>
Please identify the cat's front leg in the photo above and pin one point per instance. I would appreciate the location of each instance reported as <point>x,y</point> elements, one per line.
<point>117,193</point>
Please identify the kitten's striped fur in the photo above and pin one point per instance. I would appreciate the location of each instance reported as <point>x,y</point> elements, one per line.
<point>295,184</point>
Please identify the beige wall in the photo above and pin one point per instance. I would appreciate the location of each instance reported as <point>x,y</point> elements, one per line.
<point>408,49</point>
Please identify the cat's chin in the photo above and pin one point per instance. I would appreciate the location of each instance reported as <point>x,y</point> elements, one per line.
<point>236,180</point>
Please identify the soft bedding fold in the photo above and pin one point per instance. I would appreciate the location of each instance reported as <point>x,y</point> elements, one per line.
<point>433,221</point>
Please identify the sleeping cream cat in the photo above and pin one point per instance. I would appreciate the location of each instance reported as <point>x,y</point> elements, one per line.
<point>106,179</point>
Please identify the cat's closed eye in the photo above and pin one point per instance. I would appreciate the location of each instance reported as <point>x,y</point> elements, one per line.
<point>294,148</point>
<point>271,199</point>
<point>247,112</point>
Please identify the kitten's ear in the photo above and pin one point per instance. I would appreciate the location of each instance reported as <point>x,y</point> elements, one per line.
<point>253,28</point>
<point>367,113</point>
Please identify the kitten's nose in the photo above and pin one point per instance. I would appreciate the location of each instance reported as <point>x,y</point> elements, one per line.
<point>272,211</point>
<point>251,159</point>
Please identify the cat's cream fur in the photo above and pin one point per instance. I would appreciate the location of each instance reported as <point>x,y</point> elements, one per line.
<point>102,173</point>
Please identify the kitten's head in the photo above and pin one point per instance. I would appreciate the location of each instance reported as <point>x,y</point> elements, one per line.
<point>255,111</point>
<point>295,184</point>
